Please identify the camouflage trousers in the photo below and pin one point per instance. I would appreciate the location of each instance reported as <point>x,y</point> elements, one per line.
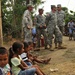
<point>54,31</point>
<point>44,33</point>
<point>61,29</point>
<point>28,36</point>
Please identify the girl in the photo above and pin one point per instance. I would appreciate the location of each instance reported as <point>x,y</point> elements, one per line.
<point>18,66</point>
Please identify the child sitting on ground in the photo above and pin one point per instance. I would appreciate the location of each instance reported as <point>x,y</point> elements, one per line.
<point>4,66</point>
<point>18,66</point>
<point>29,57</point>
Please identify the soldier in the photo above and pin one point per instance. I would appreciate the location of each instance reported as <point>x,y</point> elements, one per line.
<point>40,27</point>
<point>60,18</point>
<point>27,23</point>
<point>52,28</point>
<point>60,21</point>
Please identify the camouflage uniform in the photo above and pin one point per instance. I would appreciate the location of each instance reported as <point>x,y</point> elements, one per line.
<point>60,19</point>
<point>52,28</point>
<point>40,21</point>
<point>27,21</point>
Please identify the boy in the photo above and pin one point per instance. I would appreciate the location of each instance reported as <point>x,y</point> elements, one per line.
<point>4,66</point>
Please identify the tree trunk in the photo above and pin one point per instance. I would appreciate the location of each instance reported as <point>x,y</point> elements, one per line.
<point>27,2</point>
<point>1,36</point>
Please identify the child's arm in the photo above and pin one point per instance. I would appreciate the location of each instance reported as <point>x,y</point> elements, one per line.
<point>21,67</point>
<point>29,60</point>
<point>8,73</point>
<point>24,64</point>
<point>18,62</point>
<point>29,55</point>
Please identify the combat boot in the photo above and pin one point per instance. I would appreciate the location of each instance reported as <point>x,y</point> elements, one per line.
<point>61,47</point>
<point>51,49</point>
<point>56,46</point>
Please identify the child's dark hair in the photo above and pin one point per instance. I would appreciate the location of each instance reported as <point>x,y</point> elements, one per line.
<point>14,49</point>
<point>16,46</point>
<point>29,43</point>
<point>25,45</point>
<point>11,53</point>
<point>3,50</point>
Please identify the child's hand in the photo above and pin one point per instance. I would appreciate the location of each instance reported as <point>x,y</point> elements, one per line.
<point>8,73</point>
<point>29,60</point>
<point>34,56</point>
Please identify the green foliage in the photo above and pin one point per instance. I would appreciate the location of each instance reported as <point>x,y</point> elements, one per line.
<point>71,11</point>
<point>69,16</point>
<point>12,17</point>
<point>6,18</point>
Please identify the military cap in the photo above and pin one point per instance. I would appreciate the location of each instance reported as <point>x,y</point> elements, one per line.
<point>30,5</point>
<point>41,9</point>
<point>59,5</point>
<point>52,6</point>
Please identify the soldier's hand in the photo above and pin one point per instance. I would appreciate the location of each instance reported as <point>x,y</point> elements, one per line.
<point>28,27</point>
<point>40,26</point>
<point>44,26</point>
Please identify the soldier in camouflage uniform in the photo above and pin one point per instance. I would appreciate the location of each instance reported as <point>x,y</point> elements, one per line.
<point>52,28</point>
<point>40,27</point>
<point>60,21</point>
<point>27,23</point>
<point>60,18</point>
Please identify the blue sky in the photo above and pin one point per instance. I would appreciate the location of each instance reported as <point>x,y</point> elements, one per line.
<point>70,4</point>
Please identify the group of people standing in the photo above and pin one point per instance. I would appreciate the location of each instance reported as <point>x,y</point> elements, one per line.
<point>53,23</point>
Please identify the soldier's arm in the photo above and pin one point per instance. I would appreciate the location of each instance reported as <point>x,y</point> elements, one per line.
<point>38,24</point>
<point>64,15</point>
<point>47,19</point>
<point>68,25</point>
<point>26,20</point>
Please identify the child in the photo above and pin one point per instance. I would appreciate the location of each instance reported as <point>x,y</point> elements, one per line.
<point>34,38</point>
<point>27,48</point>
<point>4,66</point>
<point>18,66</point>
<point>24,54</point>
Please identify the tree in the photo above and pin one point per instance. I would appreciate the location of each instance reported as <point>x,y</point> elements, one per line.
<point>1,36</point>
<point>12,17</point>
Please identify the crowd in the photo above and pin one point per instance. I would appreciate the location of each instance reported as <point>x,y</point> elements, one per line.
<point>49,26</point>
<point>18,60</point>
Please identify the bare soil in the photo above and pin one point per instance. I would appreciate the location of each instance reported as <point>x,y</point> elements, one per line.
<point>62,60</point>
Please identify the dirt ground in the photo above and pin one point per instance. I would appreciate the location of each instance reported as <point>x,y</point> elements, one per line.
<point>62,60</point>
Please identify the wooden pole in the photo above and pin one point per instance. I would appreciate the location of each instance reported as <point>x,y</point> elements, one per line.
<point>1,36</point>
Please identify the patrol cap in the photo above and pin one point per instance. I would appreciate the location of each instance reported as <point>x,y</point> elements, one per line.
<point>29,5</point>
<point>41,9</point>
<point>52,6</point>
<point>59,5</point>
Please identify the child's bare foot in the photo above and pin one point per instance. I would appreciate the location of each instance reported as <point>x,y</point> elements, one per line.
<point>46,61</point>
